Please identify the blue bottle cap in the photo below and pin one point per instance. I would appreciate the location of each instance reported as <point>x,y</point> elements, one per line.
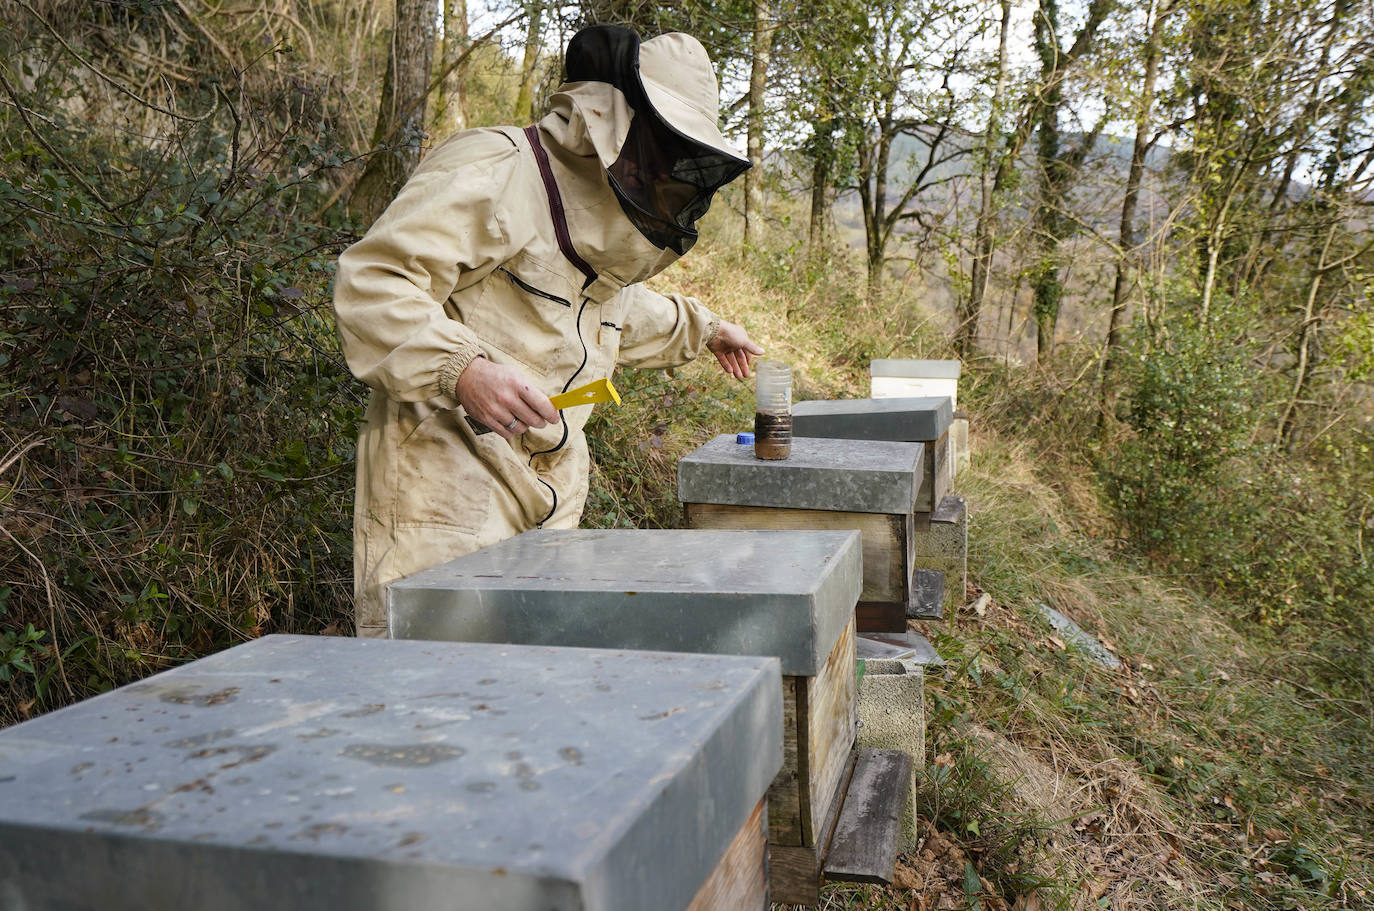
<point>744,439</point>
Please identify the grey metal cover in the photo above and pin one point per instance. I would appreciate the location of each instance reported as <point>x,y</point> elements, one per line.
<point>837,475</point>
<point>918,418</point>
<point>301,773</point>
<point>914,369</point>
<point>788,594</point>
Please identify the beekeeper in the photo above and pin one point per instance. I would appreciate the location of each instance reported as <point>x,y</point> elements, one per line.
<point>508,269</point>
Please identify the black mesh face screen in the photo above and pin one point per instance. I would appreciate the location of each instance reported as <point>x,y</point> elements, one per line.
<point>666,180</point>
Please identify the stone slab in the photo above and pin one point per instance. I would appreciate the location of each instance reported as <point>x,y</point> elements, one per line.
<point>924,419</point>
<point>311,773</point>
<point>927,595</point>
<point>788,594</point>
<point>838,475</point>
<point>911,646</point>
<point>1078,637</point>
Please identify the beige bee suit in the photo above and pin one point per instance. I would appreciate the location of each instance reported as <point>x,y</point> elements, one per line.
<point>465,262</point>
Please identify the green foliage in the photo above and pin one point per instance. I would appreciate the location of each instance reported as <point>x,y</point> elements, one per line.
<point>178,430</point>
<point>1186,400</point>
<point>1193,488</point>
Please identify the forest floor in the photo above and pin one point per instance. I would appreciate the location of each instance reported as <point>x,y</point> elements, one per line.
<point>1204,773</point>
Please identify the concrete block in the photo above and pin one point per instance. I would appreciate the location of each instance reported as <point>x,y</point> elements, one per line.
<point>785,594</point>
<point>943,546</point>
<point>901,419</point>
<point>843,475</point>
<point>347,774</point>
<point>958,444</point>
<point>892,716</point>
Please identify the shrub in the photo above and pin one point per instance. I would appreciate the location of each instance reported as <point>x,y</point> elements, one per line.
<point>178,431</point>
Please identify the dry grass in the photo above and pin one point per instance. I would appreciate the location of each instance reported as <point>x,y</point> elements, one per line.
<point>1188,779</point>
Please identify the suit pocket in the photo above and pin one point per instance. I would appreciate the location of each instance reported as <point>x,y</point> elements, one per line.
<point>526,311</point>
<point>439,481</point>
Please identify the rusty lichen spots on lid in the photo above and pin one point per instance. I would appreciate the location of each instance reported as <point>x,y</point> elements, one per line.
<point>140,816</point>
<point>414,755</point>
<point>659,716</point>
<point>320,829</point>
<point>200,784</point>
<point>246,754</point>
<point>191,697</point>
<point>366,710</point>
<point>200,740</point>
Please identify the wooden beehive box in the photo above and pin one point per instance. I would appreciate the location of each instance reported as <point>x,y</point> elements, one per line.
<point>297,773</point>
<point>867,485</point>
<point>906,378</point>
<point>790,595</point>
<point>923,420</point>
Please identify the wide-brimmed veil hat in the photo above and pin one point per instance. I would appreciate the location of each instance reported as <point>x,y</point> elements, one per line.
<point>672,73</point>
<point>680,83</point>
<point>673,158</point>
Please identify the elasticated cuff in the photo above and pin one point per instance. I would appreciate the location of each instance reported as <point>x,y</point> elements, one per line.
<point>712,330</point>
<point>454,367</point>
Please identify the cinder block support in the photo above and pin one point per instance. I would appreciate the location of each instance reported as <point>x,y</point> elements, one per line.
<point>958,444</point>
<point>892,716</point>
<point>944,546</point>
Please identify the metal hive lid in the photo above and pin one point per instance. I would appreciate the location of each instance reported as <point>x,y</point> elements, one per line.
<point>910,419</point>
<point>788,594</point>
<point>313,772</point>
<point>831,474</point>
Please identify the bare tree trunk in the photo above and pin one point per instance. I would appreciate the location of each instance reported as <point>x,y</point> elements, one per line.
<point>1124,269</point>
<point>400,130</point>
<point>524,100</point>
<point>1046,290</point>
<point>822,159</point>
<point>970,309</point>
<point>758,82</point>
<point>450,105</point>
<point>1305,333</point>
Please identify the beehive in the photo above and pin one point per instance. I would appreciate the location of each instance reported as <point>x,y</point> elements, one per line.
<point>325,773</point>
<point>905,378</point>
<point>910,420</point>
<point>826,483</point>
<point>790,595</point>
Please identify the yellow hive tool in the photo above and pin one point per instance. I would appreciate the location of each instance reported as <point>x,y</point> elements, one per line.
<point>590,394</point>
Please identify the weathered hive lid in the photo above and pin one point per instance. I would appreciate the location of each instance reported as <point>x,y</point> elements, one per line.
<point>922,419</point>
<point>788,594</point>
<point>943,370</point>
<point>324,773</point>
<point>835,475</point>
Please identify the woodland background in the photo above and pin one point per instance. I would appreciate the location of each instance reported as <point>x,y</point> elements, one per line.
<point>1143,225</point>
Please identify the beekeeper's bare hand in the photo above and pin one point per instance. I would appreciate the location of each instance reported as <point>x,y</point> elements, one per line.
<point>503,398</point>
<point>734,349</point>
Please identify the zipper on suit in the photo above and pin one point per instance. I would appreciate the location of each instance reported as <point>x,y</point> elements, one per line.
<point>537,292</point>
<point>566,386</point>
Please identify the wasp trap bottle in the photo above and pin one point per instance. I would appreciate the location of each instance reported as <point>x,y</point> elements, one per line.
<point>772,410</point>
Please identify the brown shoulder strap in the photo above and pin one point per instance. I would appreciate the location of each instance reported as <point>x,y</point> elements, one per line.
<point>560,219</point>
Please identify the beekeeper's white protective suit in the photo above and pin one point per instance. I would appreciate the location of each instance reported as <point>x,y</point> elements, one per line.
<point>466,263</point>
